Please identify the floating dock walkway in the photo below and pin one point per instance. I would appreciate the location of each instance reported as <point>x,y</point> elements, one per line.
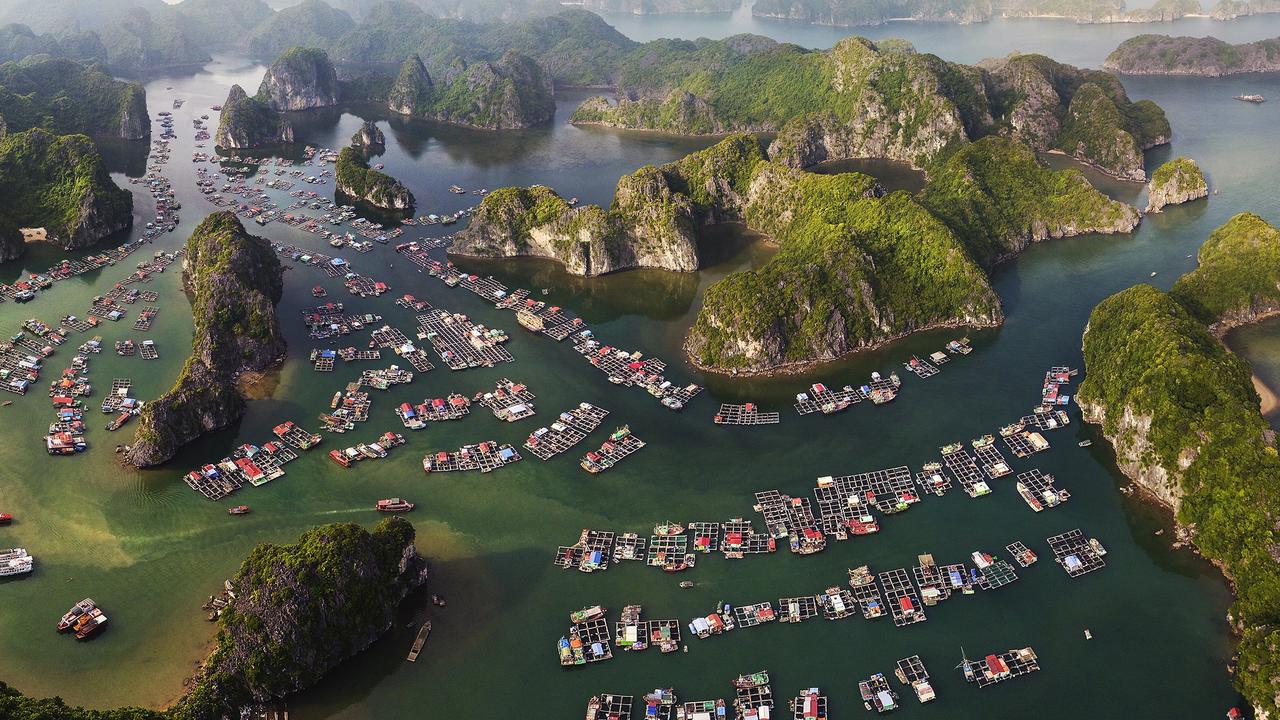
<point>569,429</point>
<point>1076,555</point>
<point>1038,491</point>
<point>747,414</point>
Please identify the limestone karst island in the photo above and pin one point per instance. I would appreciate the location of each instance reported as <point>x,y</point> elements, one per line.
<point>639,359</point>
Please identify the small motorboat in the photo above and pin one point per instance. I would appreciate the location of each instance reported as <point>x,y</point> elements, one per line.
<point>1084,443</point>
<point>394,505</point>
<point>686,584</point>
<point>238,510</point>
<point>6,519</point>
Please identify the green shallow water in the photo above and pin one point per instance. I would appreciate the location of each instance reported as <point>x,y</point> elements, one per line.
<point>151,550</point>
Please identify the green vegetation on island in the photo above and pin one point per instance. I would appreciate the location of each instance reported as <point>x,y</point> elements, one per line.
<point>234,280</point>
<point>854,268</point>
<point>300,609</point>
<point>1175,182</point>
<point>1183,415</point>
<point>355,180</point>
<point>863,100</point>
<point>65,97</point>
<point>247,122</point>
<point>998,198</point>
<point>57,182</point>
<point>658,7</point>
<point>1206,56</point>
<point>17,41</point>
<point>512,93</point>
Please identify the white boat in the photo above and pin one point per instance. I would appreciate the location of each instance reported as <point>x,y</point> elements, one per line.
<point>16,566</point>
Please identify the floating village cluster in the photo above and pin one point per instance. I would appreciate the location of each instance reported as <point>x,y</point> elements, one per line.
<point>753,697</point>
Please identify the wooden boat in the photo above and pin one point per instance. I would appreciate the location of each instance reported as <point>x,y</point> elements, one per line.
<point>1251,98</point>
<point>238,510</point>
<point>419,641</point>
<point>71,616</point>
<point>668,529</point>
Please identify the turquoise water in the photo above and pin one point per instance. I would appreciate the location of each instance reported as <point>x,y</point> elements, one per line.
<point>151,550</point>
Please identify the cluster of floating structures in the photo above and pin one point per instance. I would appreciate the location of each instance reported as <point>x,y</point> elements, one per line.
<point>486,457</point>
<point>509,400</point>
<point>633,369</point>
<point>375,450</point>
<point>348,407</point>
<point>251,464</point>
<point>620,445</point>
<point>569,429</point>
<point>461,343</point>
<point>753,697</point>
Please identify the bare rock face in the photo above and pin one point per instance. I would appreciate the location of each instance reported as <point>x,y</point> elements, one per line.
<point>1175,182</point>
<point>369,137</point>
<point>300,79</point>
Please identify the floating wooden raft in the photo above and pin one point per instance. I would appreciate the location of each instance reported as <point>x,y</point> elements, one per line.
<point>1021,553</point>
<point>569,429</point>
<point>629,546</point>
<point>797,609</point>
<point>912,673</point>
<point>1038,491</point>
<point>1007,666</point>
<point>965,470</point>
<point>1049,420</point>
<point>706,536</point>
<point>1077,555</point>
<point>580,555</point>
<point>902,598</point>
<point>933,479</point>
<point>145,319</point>
<point>866,592</point>
<point>996,575</point>
<point>922,368</point>
<point>1026,443</point>
<point>808,705</point>
<point>609,707</point>
<point>750,697</point>
<point>753,615</point>
<point>991,461</point>
<point>120,388</point>
<point>748,414</point>
<point>815,401</point>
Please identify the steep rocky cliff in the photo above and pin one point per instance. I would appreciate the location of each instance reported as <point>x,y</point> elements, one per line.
<point>651,223</point>
<point>61,184</point>
<point>1203,56</point>
<point>302,609</point>
<point>1182,414</point>
<point>369,137</point>
<point>882,100</point>
<point>234,281</point>
<point>300,79</point>
<point>998,197</point>
<point>67,97</point>
<point>1237,281</point>
<point>246,122</point>
<point>1084,113</point>
<point>854,269</point>
<point>513,93</point>
<point>354,179</point>
<point>1175,182</point>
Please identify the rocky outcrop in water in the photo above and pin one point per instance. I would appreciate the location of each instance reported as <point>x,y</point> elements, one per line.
<point>1175,182</point>
<point>369,137</point>
<point>300,610</point>
<point>234,280</point>
<point>513,93</point>
<point>1085,113</point>
<point>355,180</point>
<point>300,79</point>
<point>57,182</point>
<point>246,122</point>
<point>1201,56</point>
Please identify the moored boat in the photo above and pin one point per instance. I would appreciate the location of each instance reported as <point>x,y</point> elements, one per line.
<point>238,510</point>
<point>668,529</point>
<point>6,519</point>
<point>90,623</point>
<point>71,616</point>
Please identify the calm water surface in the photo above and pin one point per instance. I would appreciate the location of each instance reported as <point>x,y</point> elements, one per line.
<point>151,550</point>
